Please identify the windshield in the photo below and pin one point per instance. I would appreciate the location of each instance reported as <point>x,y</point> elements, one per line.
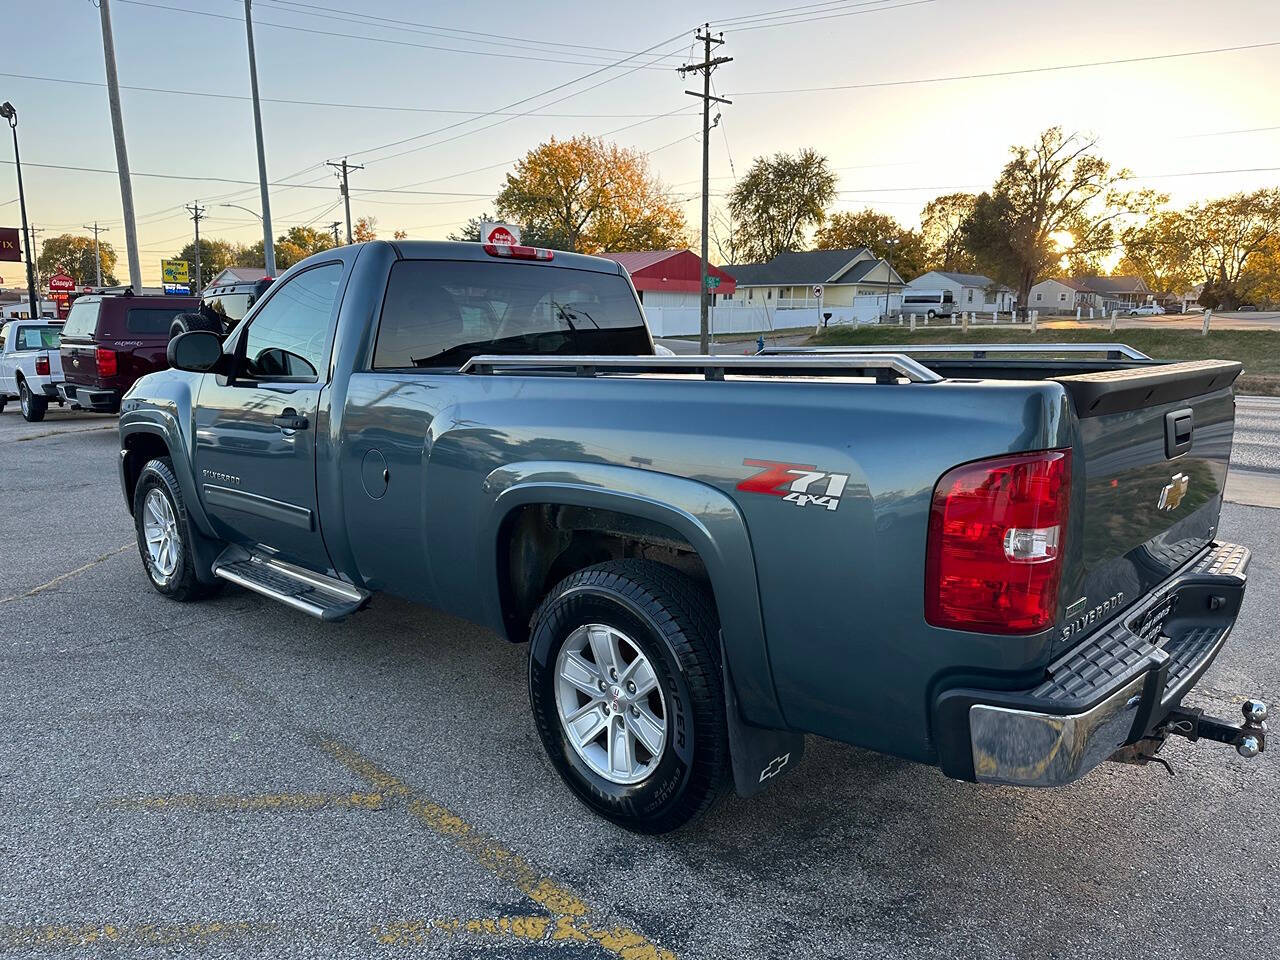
<point>39,338</point>
<point>442,313</point>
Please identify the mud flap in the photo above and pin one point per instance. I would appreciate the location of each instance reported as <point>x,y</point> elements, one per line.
<point>759,754</point>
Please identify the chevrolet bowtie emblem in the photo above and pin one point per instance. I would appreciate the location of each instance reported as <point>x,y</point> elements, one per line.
<point>1173,492</point>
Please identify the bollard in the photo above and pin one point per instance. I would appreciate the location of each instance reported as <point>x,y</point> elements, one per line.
<point>913,323</point>
<point>1035,315</point>
<point>964,322</point>
<point>1114,314</point>
<point>1077,314</point>
<point>1204,330</point>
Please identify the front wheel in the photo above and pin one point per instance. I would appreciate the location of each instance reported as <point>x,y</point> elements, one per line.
<point>165,534</point>
<point>33,407</point>
<point>932,315</point>
<point>626,691</point>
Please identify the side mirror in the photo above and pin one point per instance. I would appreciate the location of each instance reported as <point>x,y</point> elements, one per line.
<point>197,351</point>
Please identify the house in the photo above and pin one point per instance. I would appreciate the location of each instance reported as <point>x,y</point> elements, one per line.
<point>229,275</point>
<point>1097,293</point>
<point>669,278</point>
<point>788,280</point>
<point>970,291</point>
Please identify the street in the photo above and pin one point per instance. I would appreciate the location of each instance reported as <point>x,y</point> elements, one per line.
<point>237,779</point>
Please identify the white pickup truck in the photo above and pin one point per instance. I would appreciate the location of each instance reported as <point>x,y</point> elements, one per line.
<point>30,365</point>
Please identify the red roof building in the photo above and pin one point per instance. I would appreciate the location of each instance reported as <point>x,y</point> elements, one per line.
<point>669,271</point>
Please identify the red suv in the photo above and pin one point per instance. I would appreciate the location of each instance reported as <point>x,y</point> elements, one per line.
<point>110,341</point>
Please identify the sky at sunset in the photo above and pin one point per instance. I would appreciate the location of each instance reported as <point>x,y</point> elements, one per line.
<point>894,144</point>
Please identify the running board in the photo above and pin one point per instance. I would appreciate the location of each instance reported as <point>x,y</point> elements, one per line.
<point>304,590</point>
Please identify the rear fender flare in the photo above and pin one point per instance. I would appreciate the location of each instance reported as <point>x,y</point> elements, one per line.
<point>708,519</point>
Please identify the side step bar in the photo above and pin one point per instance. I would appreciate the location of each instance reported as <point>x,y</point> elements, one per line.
<point>304,590</point>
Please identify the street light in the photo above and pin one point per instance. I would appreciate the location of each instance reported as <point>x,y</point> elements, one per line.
<point>245,209</point>
<point>8,112</point>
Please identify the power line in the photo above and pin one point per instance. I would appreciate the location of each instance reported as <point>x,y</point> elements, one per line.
<point>356,36</point>
<point>730,21</point>
<point>832,16</point>
<point>1012,73</point>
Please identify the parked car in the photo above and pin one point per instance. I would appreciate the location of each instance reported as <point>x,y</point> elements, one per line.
<point>1146,310</point>
<point>30,366</point>
<point>221,307</point>
<point>928,303</point>
<point>108,342</point>
<point>1002,564</point>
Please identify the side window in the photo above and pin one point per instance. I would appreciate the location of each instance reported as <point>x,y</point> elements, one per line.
<point>291,334</point>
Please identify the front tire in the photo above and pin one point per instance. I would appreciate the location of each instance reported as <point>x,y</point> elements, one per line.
<point>164,533</point>
<point>626,691</point>
<point>33,407</point>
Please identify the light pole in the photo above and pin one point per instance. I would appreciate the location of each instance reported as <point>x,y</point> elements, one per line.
<point>9,113</point>
<point>245,209</point>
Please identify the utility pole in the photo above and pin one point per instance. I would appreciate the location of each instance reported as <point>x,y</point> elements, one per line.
<point>346,193</point>
<point>97,257</point>
<point>708,64</point>
<point>334,227</point>
<point>122,155</point>
<point>268,245</point>
<point>197,212</point>
<point>10,114</point>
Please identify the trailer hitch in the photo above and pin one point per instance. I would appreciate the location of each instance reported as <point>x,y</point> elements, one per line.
<point>1249,738</point>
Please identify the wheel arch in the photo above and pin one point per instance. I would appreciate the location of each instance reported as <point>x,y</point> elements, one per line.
<point>667,512</point>
<point>145,437</point>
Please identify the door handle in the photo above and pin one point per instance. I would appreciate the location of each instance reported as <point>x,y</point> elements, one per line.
<point>289,420</point>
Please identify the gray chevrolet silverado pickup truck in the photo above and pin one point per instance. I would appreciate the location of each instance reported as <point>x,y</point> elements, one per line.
<point>1002,563</point>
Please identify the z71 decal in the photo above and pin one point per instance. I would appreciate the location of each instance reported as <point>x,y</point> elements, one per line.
<point>798,483</point>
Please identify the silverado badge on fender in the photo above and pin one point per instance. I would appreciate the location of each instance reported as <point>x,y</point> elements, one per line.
<point>1173,492</point>
<point>798,483</point>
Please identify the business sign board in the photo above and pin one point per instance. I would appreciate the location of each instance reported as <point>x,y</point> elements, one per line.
<point>175,272</point>
<point>61,287</point>
<point>10,246</point>
<point>500,234</point>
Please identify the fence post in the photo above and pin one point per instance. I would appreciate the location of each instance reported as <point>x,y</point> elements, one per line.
<point>1204,330</point>
<point>1035,315</point>
<point>1077,314</point>
<point>1114,314</point>
<point>964,322</point>
<point>913,323</point>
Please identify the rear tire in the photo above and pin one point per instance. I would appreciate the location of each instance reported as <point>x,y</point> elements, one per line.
<point>663,631</point>
<point>159,511</point>
<point>33,407</point>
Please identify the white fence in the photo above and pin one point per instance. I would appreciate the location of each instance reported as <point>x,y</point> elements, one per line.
<point>731,318</point>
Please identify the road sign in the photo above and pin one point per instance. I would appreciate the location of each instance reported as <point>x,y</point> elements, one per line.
<point>61,283</point>
<point>9,244</point>
<point>500,234</point>
<point>817,291</point>
<point>712,282</point>
<point>175,271</point>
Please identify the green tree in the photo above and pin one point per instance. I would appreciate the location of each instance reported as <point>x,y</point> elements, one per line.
<point>778,200</point>
<point>74,256</point>
<point>215,256</point>
<point>1055,198</point>
<point>590,196</point>
<point>942,230</point>
<point>880,233</point>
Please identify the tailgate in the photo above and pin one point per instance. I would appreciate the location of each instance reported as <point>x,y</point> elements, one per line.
<point>55,365</point>
<point>1149,470</point>
<point>79,361</point>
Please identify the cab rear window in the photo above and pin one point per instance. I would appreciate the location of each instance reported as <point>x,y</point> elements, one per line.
<point>440,313</point>
<point>151,319</point>
<point>82,320</point>
<point>39,338</point>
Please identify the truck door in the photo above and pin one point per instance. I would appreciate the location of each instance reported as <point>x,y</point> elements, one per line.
<point>255,442</point>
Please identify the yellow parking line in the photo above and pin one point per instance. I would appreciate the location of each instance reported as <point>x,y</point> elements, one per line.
<point>408,933</point>
<point>145,934</point>
<point>252,802</point>
<point>569,913</point>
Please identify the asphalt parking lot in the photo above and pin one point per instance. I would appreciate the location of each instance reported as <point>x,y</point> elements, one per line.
<point>237,779</point>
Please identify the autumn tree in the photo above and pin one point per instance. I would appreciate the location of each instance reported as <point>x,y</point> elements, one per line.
<point>590,196</point>
<point>365,229</point>
<point>1055,196</point>
<point>74,255</point>
<point>880,233</point>
<point>1223,237</point>
<point>778,200</point>
<point>400,235</point>
<point>942,230</point>
<point>295,245</point>
<point>1157,251</point>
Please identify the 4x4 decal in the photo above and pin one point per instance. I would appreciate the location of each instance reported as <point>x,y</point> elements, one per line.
<point>798,483</point>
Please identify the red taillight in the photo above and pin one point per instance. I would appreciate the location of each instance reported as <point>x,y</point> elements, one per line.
<point>106,362</point>
<point>517,252</point>
<point>42,365</point>
<point>996,535</point>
